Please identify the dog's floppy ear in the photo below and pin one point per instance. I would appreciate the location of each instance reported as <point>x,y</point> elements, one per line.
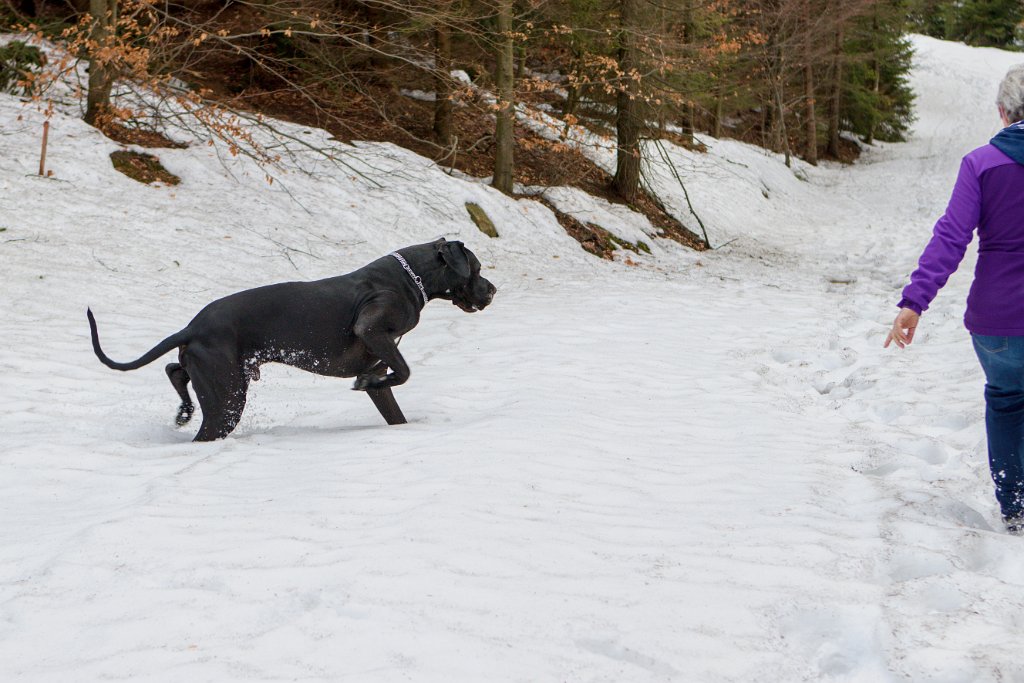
<point>454,255</point>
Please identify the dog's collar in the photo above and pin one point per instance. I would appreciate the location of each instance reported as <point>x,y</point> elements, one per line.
<point>415,278</point>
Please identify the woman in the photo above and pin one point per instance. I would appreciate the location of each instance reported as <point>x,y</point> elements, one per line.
<point>989,196</point>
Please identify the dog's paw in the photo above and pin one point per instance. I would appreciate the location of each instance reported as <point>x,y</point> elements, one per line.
<point>184,414</point>
<point>363,382</point>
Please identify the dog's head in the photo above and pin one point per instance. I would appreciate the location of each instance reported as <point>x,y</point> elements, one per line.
<point>466,288</point>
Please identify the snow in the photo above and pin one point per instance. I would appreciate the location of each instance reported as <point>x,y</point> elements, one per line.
<point>700,468</point>
<point>421,95</point>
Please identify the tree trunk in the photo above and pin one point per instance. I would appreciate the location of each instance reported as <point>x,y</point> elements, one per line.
<point>687,121</point>
<point>876,67</point>
<point>719,111</point>
<point>572,100</point>
<point>628,122</point>
<point>835,101</point>
<point>811,153</point>
<point>101,79</point>
<point>781,120</point>
<point>442,85</point>
<point>876,89</point>
<point>504,79</point>
<point>811,123</point>
<point>572,97</point>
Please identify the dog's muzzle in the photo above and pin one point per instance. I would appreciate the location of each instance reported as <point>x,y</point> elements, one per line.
<point>475,297</point>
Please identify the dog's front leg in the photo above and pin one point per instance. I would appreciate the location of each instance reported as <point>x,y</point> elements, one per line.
<point>374,328</point>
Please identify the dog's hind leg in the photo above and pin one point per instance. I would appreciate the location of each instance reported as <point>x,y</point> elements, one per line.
<point>222,408</point>
<point>221,390</point>
<point>179,380</point>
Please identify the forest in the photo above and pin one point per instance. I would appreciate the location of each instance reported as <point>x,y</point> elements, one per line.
<point>806,78</point>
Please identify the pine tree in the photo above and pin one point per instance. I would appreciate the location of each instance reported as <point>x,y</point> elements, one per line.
<point>991,23</point>
<point>878,100</point>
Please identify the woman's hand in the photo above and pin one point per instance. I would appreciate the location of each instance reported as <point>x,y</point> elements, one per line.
<point>903,327</point>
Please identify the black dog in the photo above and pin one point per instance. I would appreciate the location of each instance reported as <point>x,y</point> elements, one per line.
<point>346,326</point>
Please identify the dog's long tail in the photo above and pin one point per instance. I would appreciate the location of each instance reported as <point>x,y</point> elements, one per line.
<point>176,339</point>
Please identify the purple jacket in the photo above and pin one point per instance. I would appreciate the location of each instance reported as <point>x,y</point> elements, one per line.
<point>989,196</point>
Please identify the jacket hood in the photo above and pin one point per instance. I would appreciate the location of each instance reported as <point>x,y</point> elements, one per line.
<point>1010,141</point>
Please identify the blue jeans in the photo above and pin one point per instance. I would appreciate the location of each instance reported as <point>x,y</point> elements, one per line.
<point>1002,359</point>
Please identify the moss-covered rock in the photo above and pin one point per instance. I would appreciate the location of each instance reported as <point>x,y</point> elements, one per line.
<point>482,221</point>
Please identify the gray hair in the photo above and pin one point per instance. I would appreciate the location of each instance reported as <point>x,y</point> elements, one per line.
<point>1011,93</point>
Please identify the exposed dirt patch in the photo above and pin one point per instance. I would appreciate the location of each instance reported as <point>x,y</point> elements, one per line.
<point>849,151</point>
<point>593,238</point>
<point>144,168</point>
<point>143,138</point>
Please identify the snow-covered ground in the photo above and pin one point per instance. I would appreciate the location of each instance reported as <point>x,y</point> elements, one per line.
<point>702,467</point>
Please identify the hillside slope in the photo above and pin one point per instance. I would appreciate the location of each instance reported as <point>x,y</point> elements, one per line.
<point>697,467</point>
